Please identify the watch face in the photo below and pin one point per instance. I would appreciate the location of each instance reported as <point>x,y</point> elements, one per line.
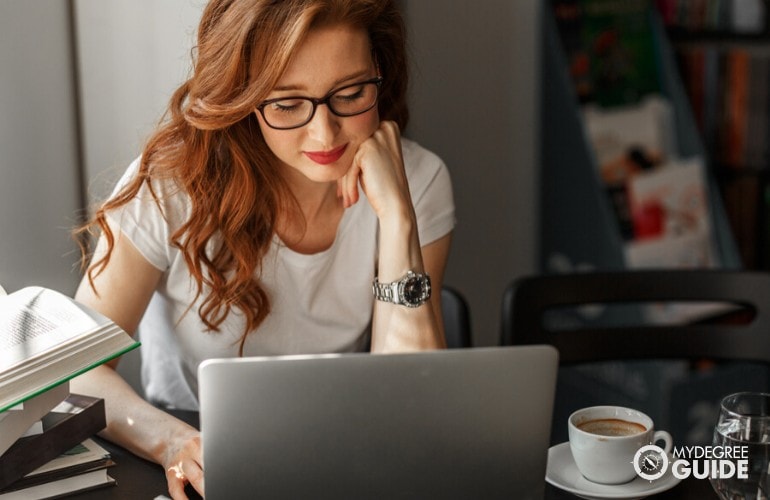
<point>414,290</point>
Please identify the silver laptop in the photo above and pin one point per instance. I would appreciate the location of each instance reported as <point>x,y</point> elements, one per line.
<point>460,423</point>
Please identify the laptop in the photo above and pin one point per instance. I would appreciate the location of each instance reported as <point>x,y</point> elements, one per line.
<point>458,423</point>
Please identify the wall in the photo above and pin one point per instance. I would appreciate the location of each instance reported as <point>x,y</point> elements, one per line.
<point>474,97</point>
<point>132,55</point>
<point>39,180</point>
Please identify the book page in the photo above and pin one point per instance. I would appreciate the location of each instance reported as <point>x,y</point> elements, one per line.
<point>35,319</point>
<point>87,451</point>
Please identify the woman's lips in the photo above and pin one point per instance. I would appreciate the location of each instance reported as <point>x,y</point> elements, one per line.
<point>326,157</point>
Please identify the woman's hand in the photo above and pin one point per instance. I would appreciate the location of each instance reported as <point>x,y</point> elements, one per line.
<point>183,464</point>
<point>379,166</point>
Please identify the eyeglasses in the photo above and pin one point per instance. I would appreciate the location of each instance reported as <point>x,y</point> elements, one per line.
<point>286,113</point>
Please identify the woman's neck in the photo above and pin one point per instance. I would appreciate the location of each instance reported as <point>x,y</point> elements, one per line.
<point>310,225</point>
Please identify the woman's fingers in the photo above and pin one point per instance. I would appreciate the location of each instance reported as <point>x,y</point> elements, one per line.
<point>184,465</point>
<point>176,478</point>
<point>347,186</point>
<point>178,475</point>
<point>195,477</point>
<point>380,170</point>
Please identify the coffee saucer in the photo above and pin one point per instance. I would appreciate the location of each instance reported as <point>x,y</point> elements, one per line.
<point>564,474</point>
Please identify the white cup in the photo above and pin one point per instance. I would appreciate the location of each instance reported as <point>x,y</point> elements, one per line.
<point>607,458</point>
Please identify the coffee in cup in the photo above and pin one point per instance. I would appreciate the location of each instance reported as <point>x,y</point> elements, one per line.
<point>604,440</point>
<point>611,427</point>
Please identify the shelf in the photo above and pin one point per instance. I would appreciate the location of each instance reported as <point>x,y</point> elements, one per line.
<point>727,173</point>
<point>677,36</point>
<point>579,228</point>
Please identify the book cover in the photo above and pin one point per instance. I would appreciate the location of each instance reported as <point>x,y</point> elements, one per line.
<point>569,22</point>
<point>711,100</point>
<point>18,420</point>
<point>629,139</point>
<point>86,481</point>
<point>76,419</point>
<point>672,224</point>
<point>84,457</point>
<point>736,110</point>
<point>626,141</point>
<point>755,147</point>
<point>622,50</point>
<point>47,338</point>
<point>610,49</point>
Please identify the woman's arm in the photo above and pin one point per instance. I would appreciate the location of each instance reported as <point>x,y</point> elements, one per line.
<point>122,293</point>
<point>379,167</point>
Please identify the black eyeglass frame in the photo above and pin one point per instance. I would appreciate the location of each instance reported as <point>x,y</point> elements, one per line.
<point>323,100</point>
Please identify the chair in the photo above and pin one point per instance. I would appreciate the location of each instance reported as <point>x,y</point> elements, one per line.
<point>605,362</point>
<point>456,315</point>
<point>527,300</point>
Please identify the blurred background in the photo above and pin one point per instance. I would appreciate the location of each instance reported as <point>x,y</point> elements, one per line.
<point>83,82</point>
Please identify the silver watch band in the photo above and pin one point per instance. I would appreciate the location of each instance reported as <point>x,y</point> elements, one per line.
<point>386,292</point>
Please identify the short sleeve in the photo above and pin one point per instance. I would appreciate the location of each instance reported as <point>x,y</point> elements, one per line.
<point>146,221</point>
<point>431,188</point>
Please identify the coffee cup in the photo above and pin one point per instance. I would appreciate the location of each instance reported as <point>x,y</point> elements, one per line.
<point>605,439</point>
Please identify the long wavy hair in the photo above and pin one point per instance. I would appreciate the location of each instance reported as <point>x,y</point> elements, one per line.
<point>209,142</point>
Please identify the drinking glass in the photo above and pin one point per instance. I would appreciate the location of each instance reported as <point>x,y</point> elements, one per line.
<point>744,420</point>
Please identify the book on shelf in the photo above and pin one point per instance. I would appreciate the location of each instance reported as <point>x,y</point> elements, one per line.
<point>610,49</point>
<point>727,86</point>
<point>71,422</point>
<point>82,467</point>
<point>736,110</point>
<point>626,141</point>
<point>714,16</point>
<point>47,338</point>
<point>672,222</point>
<point>756,150</point>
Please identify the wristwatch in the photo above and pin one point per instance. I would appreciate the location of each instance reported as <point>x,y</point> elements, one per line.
<point>412,290</point>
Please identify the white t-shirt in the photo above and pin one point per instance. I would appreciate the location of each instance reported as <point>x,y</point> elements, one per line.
<point>320,303</point>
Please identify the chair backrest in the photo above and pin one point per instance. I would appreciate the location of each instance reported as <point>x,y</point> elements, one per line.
<point>456,315</point>
<point>527,299</point>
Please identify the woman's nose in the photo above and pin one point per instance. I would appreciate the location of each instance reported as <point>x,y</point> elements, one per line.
<point>323,126</point>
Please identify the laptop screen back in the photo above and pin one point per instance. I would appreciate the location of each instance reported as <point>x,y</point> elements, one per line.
<point>463,423</point>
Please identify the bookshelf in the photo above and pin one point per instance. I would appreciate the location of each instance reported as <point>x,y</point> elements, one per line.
<point>723,56</point>
<point>579,231</point>
<point>578,227</point>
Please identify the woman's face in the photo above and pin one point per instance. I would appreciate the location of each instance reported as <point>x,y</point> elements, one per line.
<point>323,149</point>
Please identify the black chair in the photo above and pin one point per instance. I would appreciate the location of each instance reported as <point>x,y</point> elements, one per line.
<point>677,373</point>
<point>456,315</point>
<point>527,300</point>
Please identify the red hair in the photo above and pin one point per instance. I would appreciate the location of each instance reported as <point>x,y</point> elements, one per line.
<point>210,143</point>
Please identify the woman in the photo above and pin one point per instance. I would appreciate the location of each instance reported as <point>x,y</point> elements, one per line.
<point>264,208</point>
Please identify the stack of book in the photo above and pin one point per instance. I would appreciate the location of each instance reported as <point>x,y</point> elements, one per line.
<point>46,339</point>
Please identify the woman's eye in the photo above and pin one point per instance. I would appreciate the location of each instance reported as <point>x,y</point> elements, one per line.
<point>350,94</point>
<point>290,106</point>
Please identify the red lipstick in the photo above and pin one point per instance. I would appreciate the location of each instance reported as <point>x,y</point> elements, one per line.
<point>326,157</point>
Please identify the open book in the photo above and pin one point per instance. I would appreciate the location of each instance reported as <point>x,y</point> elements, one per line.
<point>46,338</point>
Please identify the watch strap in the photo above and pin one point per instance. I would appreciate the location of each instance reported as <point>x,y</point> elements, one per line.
<point>386,292</point>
